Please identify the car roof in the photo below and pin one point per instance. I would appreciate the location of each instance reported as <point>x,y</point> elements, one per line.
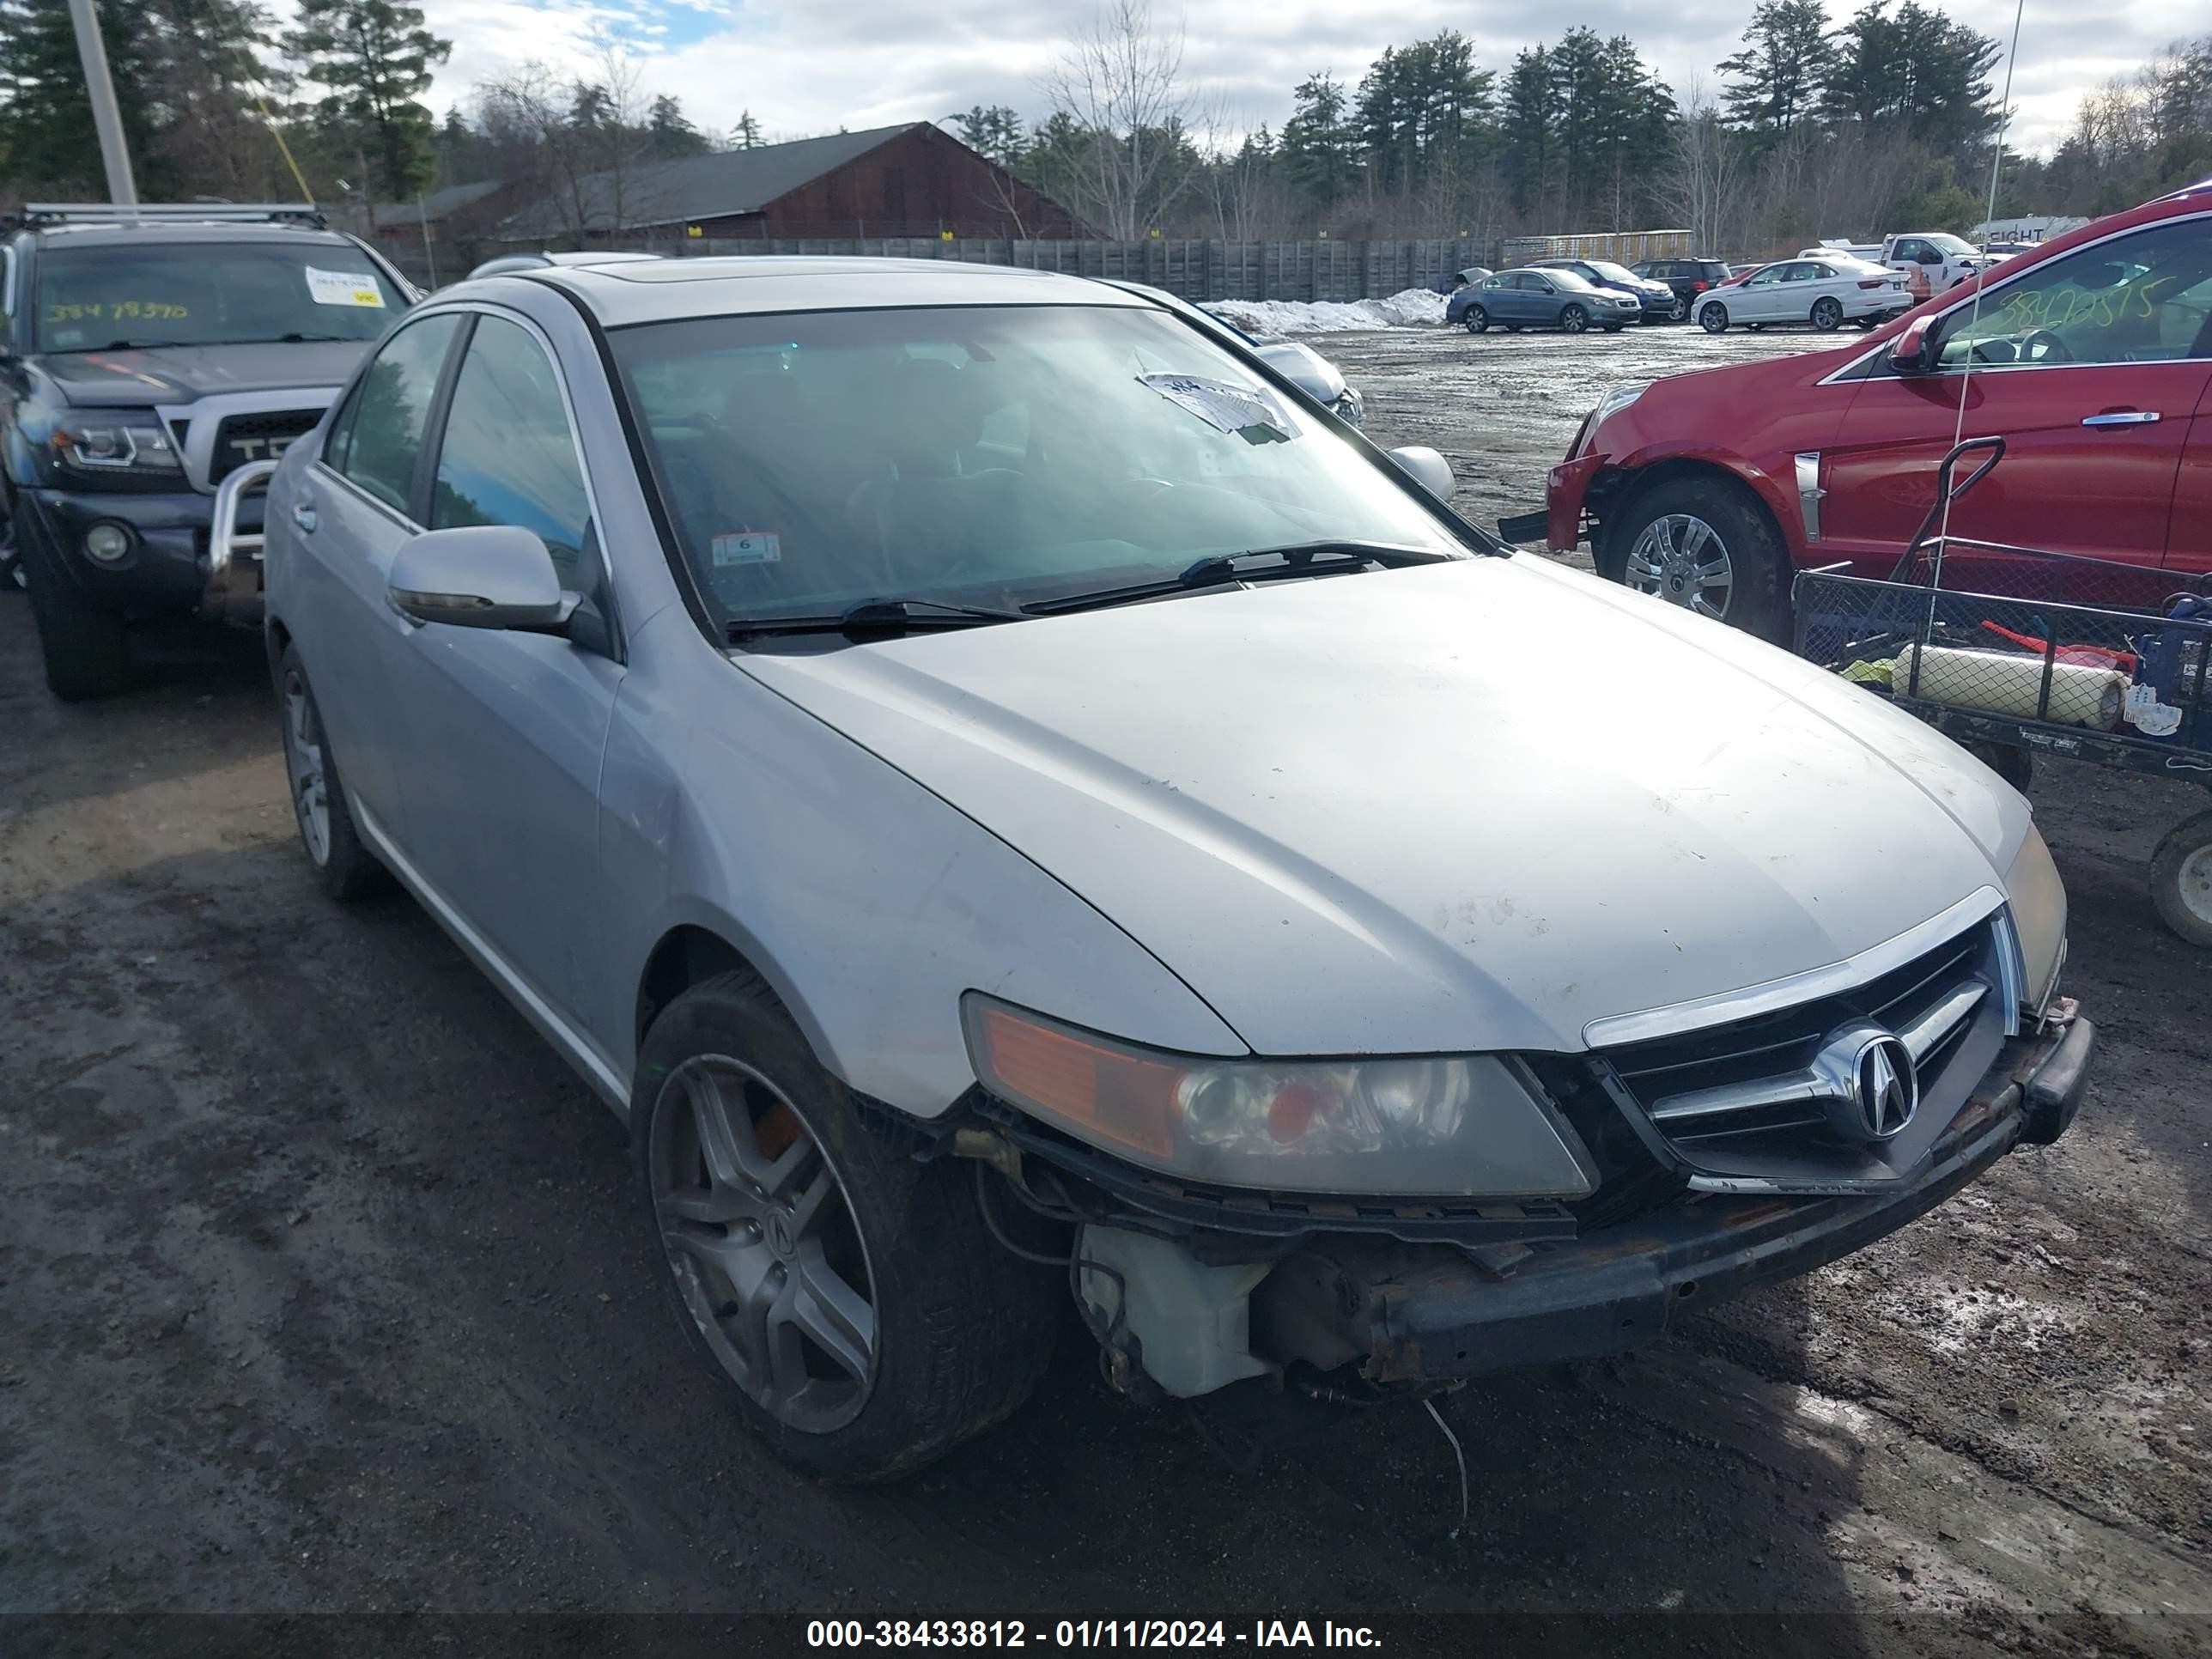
<point>119,236</point>
<point>663,290</point>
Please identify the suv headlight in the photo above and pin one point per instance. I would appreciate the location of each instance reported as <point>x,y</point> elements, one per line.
<point>1463,1126</point>
<point>2038,901</point>
<point>1616,398</point>
<point>114,448</point>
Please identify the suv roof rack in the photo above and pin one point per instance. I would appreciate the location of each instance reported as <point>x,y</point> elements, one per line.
<point>173,213</point>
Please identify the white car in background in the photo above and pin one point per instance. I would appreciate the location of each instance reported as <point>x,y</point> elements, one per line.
<point>1826,293</point>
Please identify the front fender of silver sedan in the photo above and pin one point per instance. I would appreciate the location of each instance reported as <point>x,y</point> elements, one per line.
<point>867,903</point>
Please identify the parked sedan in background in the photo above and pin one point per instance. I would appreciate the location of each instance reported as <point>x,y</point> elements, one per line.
<point>1686,279</point>
<point>1550,298</point>
<point>906,735</point>
<point>1654,300</point>
<point>1824,293</point>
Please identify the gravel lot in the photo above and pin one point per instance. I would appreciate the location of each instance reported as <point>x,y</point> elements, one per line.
<point>322,1289</point>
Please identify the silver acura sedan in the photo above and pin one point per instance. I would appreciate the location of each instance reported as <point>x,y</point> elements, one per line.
<point>1009,799</point>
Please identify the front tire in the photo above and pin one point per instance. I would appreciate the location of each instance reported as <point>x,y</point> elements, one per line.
<point>86,651</point>
<point>1713,317</point>
<point>1705,543</point>
<point>344,864</point>
<point>2181,880</point>
<point>1827,314</point>
<point>1478,320</point>
<point>1573,320</point>
<point>850,1298</point>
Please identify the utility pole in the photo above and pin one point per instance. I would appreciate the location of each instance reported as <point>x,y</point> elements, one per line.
<point>106,119</point>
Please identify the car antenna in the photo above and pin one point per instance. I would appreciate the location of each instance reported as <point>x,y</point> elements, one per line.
<point>1981,282</point>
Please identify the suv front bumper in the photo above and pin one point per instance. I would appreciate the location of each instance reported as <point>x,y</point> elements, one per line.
<point>166,571</point>
<point>1429,1313</point>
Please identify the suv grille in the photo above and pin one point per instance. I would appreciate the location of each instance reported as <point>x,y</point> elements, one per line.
<point>243,438</point>
<point>1750,1100</point>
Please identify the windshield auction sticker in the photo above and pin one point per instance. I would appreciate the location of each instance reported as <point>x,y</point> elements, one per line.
<point>1235,410</point>
<point>343,288</point>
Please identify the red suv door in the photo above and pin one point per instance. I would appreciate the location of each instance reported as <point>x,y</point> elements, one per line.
<point>2090,365</point>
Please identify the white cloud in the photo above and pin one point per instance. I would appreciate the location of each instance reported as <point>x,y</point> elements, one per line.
<point>806,66</point>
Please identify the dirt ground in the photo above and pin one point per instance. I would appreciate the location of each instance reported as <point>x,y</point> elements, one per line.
<point>323,1289</point>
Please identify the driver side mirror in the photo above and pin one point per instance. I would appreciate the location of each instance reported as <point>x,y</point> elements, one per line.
<point>481,576</point>
<point>1427,469</point>
<point>1913,352</point>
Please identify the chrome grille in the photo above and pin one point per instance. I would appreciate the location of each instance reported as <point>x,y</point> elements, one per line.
<point>1765,1101</point>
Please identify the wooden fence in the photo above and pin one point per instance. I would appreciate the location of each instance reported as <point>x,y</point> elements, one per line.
<point>1189,268</point>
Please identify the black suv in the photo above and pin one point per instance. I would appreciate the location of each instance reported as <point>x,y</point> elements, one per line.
<point>144,353</point>
<point>1687,277</point>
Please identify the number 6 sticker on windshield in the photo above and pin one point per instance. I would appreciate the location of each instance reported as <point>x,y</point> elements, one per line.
<point>343,288</point>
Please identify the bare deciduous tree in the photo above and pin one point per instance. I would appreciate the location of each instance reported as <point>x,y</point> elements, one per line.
<point>1120,84</point>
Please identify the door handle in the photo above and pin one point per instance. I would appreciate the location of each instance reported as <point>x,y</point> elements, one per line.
<point>303,515</point>
<point>2123,418</point>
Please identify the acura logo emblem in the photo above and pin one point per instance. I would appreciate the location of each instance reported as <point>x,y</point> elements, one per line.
<point>1887,1089</point>
<point>1871,1086</point>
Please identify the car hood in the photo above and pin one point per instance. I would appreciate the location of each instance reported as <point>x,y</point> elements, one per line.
<point>177,375</point>
<point>1471,806</point>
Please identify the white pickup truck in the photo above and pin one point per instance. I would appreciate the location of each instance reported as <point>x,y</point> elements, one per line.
<point>1934,258</point>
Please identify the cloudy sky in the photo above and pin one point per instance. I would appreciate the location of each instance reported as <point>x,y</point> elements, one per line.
<point>811,66</point>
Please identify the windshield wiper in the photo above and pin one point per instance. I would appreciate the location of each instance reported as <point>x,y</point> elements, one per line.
<point>1299,558</point>
<point>876,616</point>
<point>128,345</point>
<point>1326,558</point>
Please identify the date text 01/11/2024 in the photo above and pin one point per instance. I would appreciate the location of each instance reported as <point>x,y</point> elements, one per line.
<point>1291,1633</point>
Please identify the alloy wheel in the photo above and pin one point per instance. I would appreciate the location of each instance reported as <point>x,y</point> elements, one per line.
<point>760,1237</point>
<point>1574,319</point>
<point>1714,320</point>
<point>1682,559</point>
<point>303,760</point>
<point>1681,313</point>
<point>1827,314</point>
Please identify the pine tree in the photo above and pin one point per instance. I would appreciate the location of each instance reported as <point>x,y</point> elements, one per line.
<point>375,57</point>
<point>1529,126</point>
<point>1320,145</point>
<point>993,130</point>
<point>45,120</point>
<point>1781,75</point>
<point>669,134</point>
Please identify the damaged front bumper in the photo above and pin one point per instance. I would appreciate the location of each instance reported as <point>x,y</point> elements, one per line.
<point>1425,1313</point>
<point>1183,1312</point>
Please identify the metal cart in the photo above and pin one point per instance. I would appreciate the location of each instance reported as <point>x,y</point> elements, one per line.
<point>2015,652</point>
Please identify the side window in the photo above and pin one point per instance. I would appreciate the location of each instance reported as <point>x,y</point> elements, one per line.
<point>508,456</point>
<point>1772,275</point>
<point>379,435</point>
<point>2146,297</point>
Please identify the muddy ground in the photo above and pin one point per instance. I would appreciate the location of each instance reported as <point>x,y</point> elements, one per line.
<point>323,1289</point>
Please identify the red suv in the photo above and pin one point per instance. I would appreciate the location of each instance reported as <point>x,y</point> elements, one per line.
<point>2092,356</point>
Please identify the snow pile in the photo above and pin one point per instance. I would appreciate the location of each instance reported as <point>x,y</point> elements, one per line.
<point>1416,307</point>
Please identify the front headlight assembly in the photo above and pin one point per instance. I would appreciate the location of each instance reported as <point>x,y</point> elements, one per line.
<point>1617,397</point>
<point>114,448</point>
<point>2036,901</point>
<point>1463,1126</point>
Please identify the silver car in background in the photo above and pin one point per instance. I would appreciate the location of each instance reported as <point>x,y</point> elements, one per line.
<point>1007,800</point>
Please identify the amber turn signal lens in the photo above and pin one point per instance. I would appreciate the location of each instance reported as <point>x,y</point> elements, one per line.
<point>1117,1097</point>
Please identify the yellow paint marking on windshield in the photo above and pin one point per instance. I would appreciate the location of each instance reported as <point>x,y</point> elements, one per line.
<point>117,310</point>
<point>2101,308</point>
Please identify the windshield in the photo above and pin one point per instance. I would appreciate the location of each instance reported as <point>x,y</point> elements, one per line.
<point>1563,276</point>
<point>993,456</point>
<point>1611,273</point>
<point>1950,244</point>
<point>209,294</point>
